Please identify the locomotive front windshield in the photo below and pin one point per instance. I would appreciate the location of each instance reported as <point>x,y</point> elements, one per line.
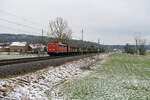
<point>54,45</point>
<point>49,45</point>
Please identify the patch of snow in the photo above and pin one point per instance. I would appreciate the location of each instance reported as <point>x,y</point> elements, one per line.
<point>18,44</point>
<point>40,85</point>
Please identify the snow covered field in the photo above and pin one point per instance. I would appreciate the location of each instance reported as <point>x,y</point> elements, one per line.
<point>120,77</point>
<point>41,85</point>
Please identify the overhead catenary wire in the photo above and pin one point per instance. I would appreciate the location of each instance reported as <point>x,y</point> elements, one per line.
<point>12,22</point>
<point>22,18</point>
<point>23,25</point>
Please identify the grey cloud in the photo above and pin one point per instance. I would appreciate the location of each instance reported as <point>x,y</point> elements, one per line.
<point>109,20</point>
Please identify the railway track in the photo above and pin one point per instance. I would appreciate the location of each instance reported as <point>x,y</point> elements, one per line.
<point>25,60</point>
<point>24,65</point>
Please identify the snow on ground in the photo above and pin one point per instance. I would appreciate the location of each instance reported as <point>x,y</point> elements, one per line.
<point>16,56</point>
<point>40,85</point>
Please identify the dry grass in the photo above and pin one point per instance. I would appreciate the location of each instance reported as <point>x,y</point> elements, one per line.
<point>121,77</point>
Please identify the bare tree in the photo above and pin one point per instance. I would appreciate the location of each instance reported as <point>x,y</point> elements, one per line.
<point>137,39</point>
<point>140,44</point>
<point>142,50</point>
<point>59,30</point>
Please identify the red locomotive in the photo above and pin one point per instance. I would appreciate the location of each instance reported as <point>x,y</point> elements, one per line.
<point>63,49</point>
<point>56,48</point>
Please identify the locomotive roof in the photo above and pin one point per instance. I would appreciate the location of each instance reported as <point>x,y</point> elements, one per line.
<point>58,43</point>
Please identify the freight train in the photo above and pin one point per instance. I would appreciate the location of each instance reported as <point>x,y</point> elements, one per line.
<point>65,49</point>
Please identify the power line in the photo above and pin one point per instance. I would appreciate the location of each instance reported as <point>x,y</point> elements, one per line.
<point>82,41</point>
<point>42,35</point>
<point>82,34</point>
<point>22,18</point>
<point>12,22</point>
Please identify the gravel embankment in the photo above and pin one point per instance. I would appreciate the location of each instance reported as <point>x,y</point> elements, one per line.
<point>21,68</point>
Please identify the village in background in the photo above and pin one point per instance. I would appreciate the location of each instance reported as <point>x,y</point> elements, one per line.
<point>22,47</point>
<point>29,45</point>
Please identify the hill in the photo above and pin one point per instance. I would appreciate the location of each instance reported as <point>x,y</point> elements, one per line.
<point>38,39</point>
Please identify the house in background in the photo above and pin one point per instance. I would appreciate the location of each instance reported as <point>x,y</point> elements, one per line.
<point>4,47</point>
<point>22,47</point>
<point>37,47</point>
<point>19,47</point>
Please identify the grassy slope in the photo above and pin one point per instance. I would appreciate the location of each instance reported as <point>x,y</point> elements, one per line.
<point>121,77</point>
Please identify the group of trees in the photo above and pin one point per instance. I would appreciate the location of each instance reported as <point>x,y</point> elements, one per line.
<point>130,49</point>
<point>140,45</point>
<point>139,48</point>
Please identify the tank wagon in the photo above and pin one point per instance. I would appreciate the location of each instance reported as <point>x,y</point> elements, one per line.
<point>66,49</point>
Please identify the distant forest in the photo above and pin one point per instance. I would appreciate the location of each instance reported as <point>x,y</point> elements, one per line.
<point>39,39</point>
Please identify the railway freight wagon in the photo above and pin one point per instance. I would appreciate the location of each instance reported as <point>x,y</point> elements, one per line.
<point>64,49</point>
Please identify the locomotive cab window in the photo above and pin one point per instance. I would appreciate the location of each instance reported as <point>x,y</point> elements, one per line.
<point>49,45</point>
<point>54,45</point>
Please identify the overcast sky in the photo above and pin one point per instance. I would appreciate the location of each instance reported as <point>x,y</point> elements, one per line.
<point>112,21</point>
